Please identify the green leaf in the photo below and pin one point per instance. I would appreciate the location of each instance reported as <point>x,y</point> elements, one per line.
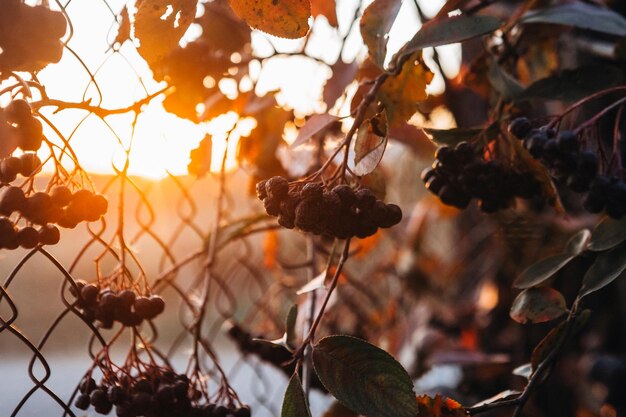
<point>337,409</point>
<point>364,378</point>
<point>608,234</point>
<point>453,136</point>
<point>538,305</point>
<point>450,30</point>
<point>290,325</point>
<point>376,23</point>
<point>503,82</point>
<point>369,147</point>
<point>578,243</point>
<point>607,266</point>
<point>573,85</point>
<point>580,15</point>
<point>542,270</point>
<point>294,402</point>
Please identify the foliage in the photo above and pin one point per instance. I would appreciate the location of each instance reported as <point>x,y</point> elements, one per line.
<point>535,140</point>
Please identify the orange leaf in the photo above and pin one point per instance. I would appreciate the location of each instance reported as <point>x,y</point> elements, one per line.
<point>283,18</point>
<point>326,8</point>
<point>401,93</point>
<point>123,33</point>
<point>439,407</point>
<point>159,25</point>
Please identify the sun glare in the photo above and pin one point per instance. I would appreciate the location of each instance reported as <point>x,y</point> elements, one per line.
<point>160,142</point>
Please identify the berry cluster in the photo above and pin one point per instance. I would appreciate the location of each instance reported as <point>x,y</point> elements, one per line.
<point>59,205</point>
<point>341,212</point>
<point>20,129</point>
<point>567,162</point>
<point>459,175</point>
<point>26,165</point>
<point>108,306</point>
<point>156,393</point>
<point>30,36</point>
<point>12,237</point>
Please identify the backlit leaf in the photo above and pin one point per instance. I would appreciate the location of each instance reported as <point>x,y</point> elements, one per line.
<point>326,8</point>
<point>414,138</point>
<point>123,32</point>
<point>283,18</point>
<point>542,270</point>
<point>160,24</point>
<point>538,305</point>
<point>452,29</point>
<point>364,378</point>
<point>313,125</point>
<point>608,234</point>
<point>453,136</point>
<point>400,93</point>
<point>578,243</point>
<point>607,266</point>
<point>573,85</point>
<point>369,148</point>
<point>376,22</point>
<point>343,75</point>
<point>580,15</point>
<point>294,402</point>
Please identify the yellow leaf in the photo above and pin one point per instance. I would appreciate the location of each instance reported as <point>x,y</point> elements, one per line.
<point>283,18</point>
<point>400,93</point>
<point>160,24</point>
<point>123,33</point>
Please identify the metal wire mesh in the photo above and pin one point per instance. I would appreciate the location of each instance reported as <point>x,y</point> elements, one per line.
<point>157,235</point>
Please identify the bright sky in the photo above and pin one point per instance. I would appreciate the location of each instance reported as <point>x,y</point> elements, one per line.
<point>162,141</point>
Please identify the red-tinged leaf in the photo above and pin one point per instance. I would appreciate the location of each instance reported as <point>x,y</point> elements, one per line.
<point>343,75</point>
<point>313,125</point>
<point>326,8</point>
<point>369,147</point>
<point>452,29</point>
<point>160,24</point>
<point>401,93</point>
<point>538,305</point>
<point>376,23</point>
<point>606,268</point>
<point>294,402</point>
<point>414,138</point>
<point>123,32</point>
<point>439,407</point>
<point>282,18</point>
<point>608,234</point>
<point>364,378</point>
